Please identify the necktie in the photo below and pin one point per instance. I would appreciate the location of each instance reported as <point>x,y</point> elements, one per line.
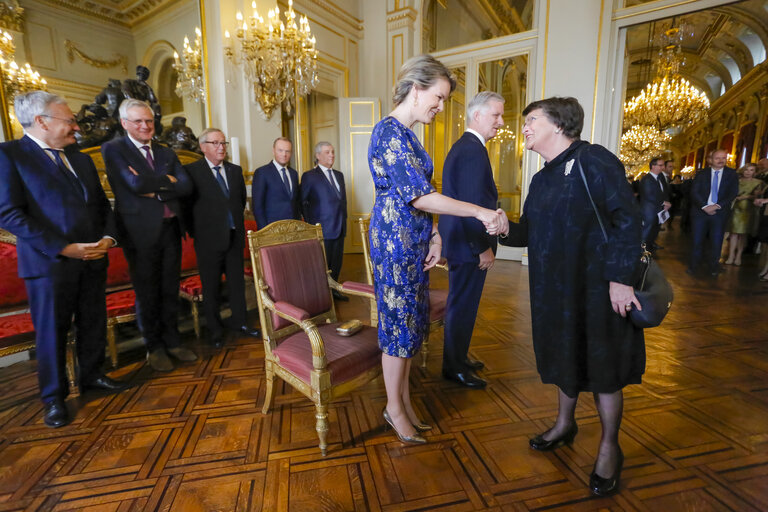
<point>71,177</point>
<point>333,182</point>
<point>150,160</point>
<point>286,181</point>
<point>225,189</point>
<point>220,179</point>
<point>715,185</point>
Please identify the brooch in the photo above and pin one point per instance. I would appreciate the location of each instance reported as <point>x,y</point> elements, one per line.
<point>568,166</point>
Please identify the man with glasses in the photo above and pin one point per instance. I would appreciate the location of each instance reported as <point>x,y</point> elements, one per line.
<point>148,180</point>
<point>52,200</point>
<point>275,191</point>
<point>215,211</point>
<point>654,194</point>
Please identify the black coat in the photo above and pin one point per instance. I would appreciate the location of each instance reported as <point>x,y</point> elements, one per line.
<point>581,344</point>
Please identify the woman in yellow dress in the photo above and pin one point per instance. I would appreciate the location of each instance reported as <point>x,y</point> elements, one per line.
<point>743,213</point>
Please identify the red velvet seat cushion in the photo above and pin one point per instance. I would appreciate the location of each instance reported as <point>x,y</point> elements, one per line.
<point>12,289</point>
<point>347,356</point>
<point>15,328</point>
<point>192,286</point>
<point>121,303</point>
<point>117,272</point>
<point>188,254</point>
<point>295,273</point>
<point>437,301</point>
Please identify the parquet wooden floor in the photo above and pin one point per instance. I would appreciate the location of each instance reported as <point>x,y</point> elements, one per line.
<point>695,433</point>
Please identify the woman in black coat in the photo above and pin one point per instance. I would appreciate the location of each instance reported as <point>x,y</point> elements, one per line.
<point>580,283</point>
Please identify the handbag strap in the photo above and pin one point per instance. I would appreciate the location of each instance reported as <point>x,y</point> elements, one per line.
<point>646,256</point>
<point>589,194</point>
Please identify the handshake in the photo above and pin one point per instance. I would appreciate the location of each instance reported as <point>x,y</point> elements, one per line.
<point>496,222</point>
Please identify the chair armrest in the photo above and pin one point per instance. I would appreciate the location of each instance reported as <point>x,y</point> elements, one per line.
<point>291,312</point>
<point>359,289</point>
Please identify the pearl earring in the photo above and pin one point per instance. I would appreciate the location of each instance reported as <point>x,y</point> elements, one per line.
<point>558,130</point>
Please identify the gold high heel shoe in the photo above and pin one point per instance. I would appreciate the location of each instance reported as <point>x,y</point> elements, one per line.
<point>420,426</point>
<point>414,439</point>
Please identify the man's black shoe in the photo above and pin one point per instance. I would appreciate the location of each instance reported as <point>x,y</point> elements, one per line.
<point>690,271</point>
<point>339,296</point>
<point>217,341</point>
<point>247,331</point>
<point>466,378</point>
<point>104,383</point>
<point>55,414</point>
<point>474,364</point>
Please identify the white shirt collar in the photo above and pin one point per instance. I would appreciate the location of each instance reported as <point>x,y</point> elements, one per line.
<point>211,165</point>
<point>38,141</point>
<point>278,166</point>
<point>476,134</point>
<point>717,170</point>
<point>140,145</point>
<point>323,168</point>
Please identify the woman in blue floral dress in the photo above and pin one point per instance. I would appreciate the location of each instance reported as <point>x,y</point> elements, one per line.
<point>404,239</point>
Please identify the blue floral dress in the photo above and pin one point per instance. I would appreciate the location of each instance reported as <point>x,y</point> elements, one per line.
<point>399,237</point>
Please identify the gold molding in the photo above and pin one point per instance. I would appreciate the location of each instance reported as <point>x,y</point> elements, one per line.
<point>73,51</point>
<point>597,69</point>
<point>12,16</point>
<point>337,12</point>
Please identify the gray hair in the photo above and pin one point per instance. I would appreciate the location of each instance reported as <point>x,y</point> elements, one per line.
<point>130,103</point>
<point>320,145</point>
<point>32,104</point>
<point>203,137</point>
<point>422,71</point>
<point>481,101</point>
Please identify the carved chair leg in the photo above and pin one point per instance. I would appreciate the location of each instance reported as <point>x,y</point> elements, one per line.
<point>196,318</point>
<point>321,414</point>
<point>112,343</point>
<point>270,391</point>
<point>71,365</point>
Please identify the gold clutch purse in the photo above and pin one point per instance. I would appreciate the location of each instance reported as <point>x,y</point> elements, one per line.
<point>349,327</point>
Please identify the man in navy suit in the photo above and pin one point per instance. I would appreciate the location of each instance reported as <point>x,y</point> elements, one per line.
<point>147,180</point>
<point>51,199</point>
<point>324,202</point>
<point>470,251</point>
<point>712,192</point>
<point>275,189</point>
<point>653,199</point>
<point>216,222</point>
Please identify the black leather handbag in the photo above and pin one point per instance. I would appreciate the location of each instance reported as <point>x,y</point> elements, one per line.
<point>653,291</point>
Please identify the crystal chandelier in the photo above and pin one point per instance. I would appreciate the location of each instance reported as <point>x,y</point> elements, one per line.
<point>670,101</point>
<point>279,59</point>
<point>639,144</point>
<point>190,82</point>
<point>17,79</point>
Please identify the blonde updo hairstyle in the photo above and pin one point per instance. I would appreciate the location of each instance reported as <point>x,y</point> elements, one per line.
<point>421,71</point>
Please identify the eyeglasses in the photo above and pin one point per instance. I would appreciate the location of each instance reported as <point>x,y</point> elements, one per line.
<point>217,143</point>
<point>71,121</point>
<point>139,122</point>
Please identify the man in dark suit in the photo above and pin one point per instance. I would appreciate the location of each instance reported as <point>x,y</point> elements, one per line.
<point>216,222</point>
<point>324,202</point>
<point>147,180</point>
<point>653,200</point>
<point>714,189</point>
<point>470,251</point>
<point>275,190</point>
<point>51,199</point>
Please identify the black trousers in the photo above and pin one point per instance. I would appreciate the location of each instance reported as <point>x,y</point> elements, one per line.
<point>155,274</point>
<point>465,287</point>
<point>74,290</point>
<point>334,253</point>
<point>213,264</point>
<point>705,226</point>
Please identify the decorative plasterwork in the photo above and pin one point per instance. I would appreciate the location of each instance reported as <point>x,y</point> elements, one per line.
<point>333,11</point>
<point>104,10</point>
<point>73,51</point>
<point>401,19</point>
<point>11,16</point>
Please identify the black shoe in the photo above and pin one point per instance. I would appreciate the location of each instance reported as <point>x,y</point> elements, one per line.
<point>247,331</point>
<point>339,296</point>
<point>717,271</point>
<point>466,378</point>
<point>690,271</point>
<point>104,383</point>
<point>217,341</point>
<point>474,364</point>
<point>55,414</point>
<point>542,445</point>
<point>606,486</point>
<point>656,247</point>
